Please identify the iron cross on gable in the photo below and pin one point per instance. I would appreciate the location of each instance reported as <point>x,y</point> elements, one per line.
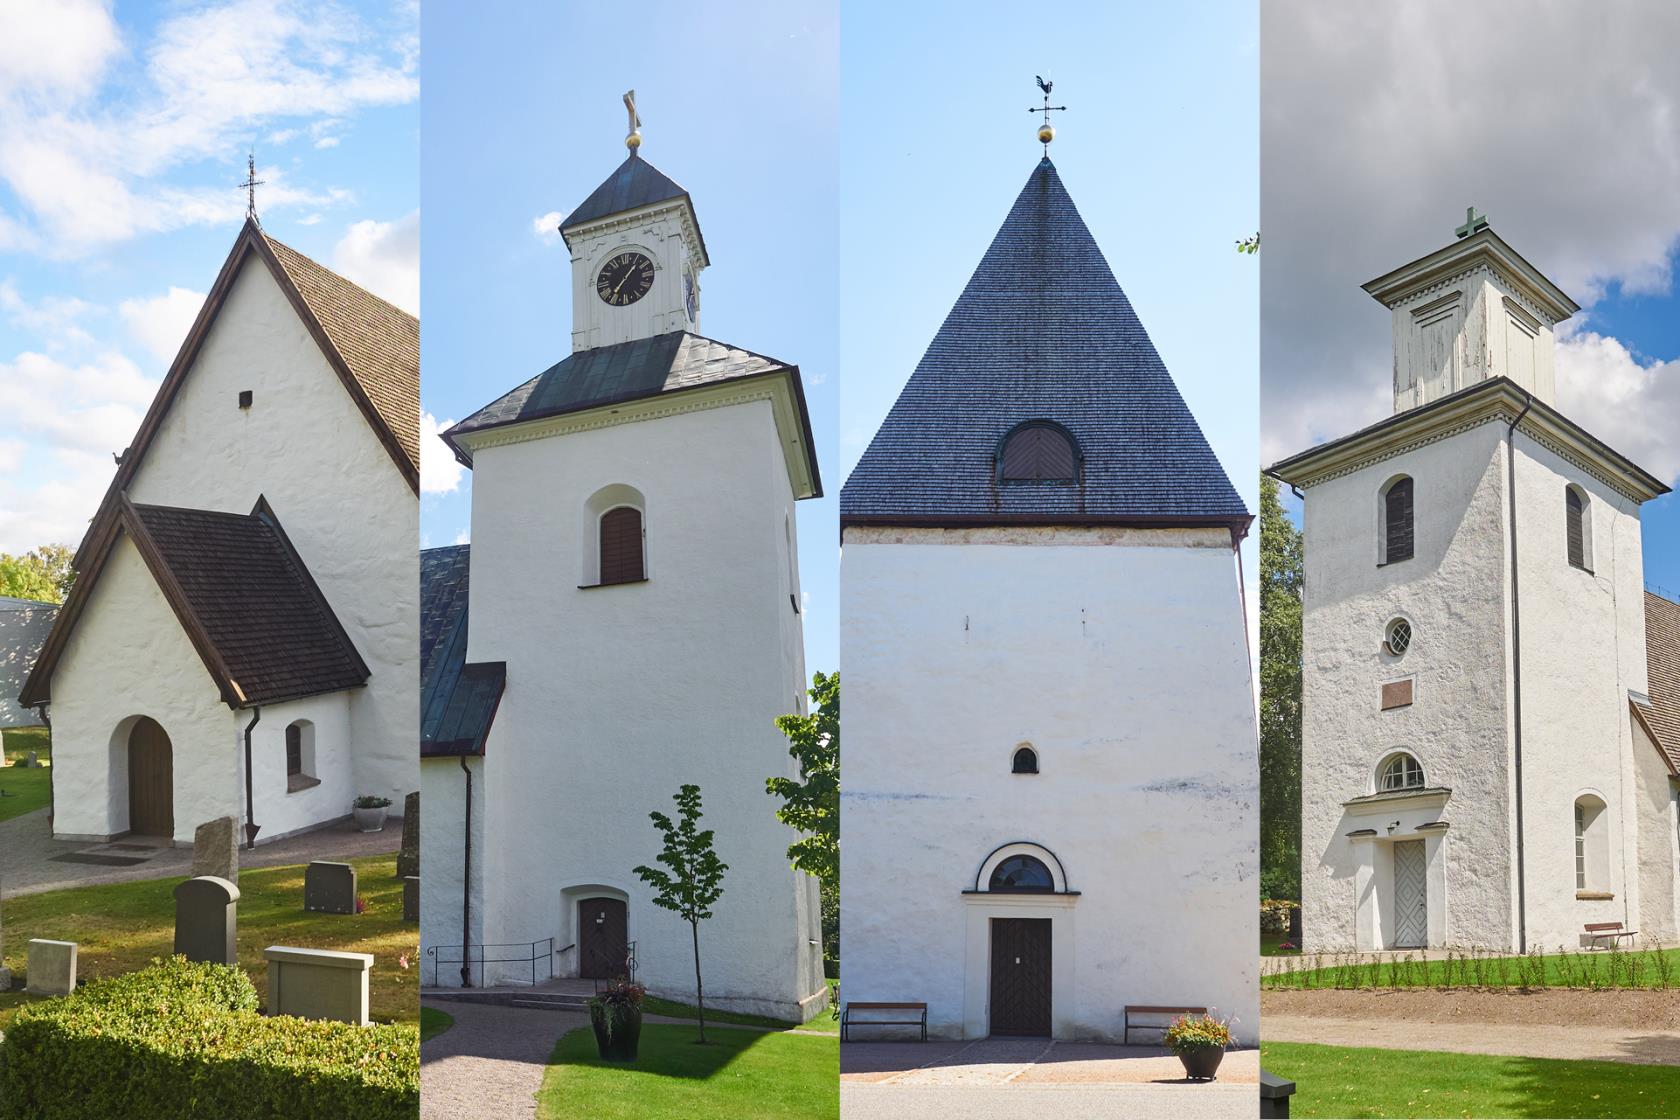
<point>1473,223</point>
<point>250,185</point>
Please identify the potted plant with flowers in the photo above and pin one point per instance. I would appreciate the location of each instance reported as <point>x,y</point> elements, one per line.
<point>615,1014</point>
<point>1200,1042</point>
<point>369,812</point>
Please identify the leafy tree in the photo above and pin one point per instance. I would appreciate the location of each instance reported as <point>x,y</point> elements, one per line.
<point>43,574</point>
<point>1282,580</point>
<point>694,881</point>
<point>1249,245</point>
<point>811,802</point>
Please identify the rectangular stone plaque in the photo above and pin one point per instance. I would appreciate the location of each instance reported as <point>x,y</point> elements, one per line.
<point>1397,694</point>
<point>329,888</point>
<point>318,983</point>
<point>206,920</point>
<point>52,968</point>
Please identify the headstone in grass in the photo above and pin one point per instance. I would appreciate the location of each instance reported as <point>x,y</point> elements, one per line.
<point>411,898</point>
<point>32,761</point>
<point>216,849</point>
<point>408,856</point>
<point>329,888</point>
<point>318,983</point>
<point>52,967</point>
<point>206,920</point>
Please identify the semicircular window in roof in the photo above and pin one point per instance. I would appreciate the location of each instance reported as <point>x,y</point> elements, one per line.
<point>1038,453</point>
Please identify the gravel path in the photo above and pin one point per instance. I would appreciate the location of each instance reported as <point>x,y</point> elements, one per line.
<point>1606,1044</point>
<point>1050,1102</point>
<point>490,1063</point>
<point>1016,1063</point>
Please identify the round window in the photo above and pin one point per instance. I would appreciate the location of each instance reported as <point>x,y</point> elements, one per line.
<point>1398,637</point>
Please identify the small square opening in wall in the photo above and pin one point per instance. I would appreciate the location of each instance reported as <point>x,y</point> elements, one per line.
<point>1397,694</point>
<point>244,398</point>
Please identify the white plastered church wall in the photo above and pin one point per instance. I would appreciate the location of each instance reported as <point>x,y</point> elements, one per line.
<point>1124,665</point>
<point>616,696</point>
<point>328,752</point>
<point>1656,830</point>
<point>307,447</point>
<point>443,790</point>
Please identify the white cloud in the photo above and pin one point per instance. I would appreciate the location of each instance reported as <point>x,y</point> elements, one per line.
<point>1629,403</point>
<point>61,47</point>
<point>463,537</point>
<point>327,142</point>
<point>546,227</point>
<point>54,319</point>
<point>440,473</point>
<point>91,406</point>
<point>11,454</point>
<point>384,258</point>
<point>55,511</point>
<point>161,323</point>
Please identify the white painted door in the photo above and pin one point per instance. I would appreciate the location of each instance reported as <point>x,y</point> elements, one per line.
<point>1411,904</point>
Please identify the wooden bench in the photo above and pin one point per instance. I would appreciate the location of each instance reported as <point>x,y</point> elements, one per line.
<point>1274,1096</point>
<point>1140,1009</point>
<point>918,1009</point>
<point>1612,930</point>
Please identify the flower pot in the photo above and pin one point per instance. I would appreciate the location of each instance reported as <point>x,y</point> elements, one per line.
<point>369,820</point>
<point>1200,1062</point>
<point>617,1032</point>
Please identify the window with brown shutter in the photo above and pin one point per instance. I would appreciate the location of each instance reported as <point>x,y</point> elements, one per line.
<point>294,751</point>
<point>1038,451</point>
<point>621,546</point>
<point>1573,510</point>
<point>1397,521</point>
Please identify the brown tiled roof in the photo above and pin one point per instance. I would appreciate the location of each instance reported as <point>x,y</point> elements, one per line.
<point>379,342</point>
<point>1662,667</point>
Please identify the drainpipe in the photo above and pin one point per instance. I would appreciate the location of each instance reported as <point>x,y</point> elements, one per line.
<point>52,800</point>
<point>1516,669</point>
<point>251,826</point>
<point>466,884</point>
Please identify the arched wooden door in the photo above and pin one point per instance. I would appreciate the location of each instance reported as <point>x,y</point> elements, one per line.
<point>603,939</point>
<point>151,780</point>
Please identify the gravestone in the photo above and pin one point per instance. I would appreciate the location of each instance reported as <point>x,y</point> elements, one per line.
<point>1295,926</point>
<point>411,898</point>
<point>318,983</point>
<point>5,973</point>
<point>408,856</point>
<point>216,849</point>
<point>32,761</point>
<point>329,888</point>
<point>206,920</point>
<point>52,968</point>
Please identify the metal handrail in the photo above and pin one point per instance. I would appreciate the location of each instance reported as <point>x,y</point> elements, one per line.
<point>515,952</point>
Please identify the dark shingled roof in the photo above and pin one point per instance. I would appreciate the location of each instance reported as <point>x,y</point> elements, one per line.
<point>458,701</point>
<point>1662,667</point>
<point>1041,332</point>
<point>635,183</point>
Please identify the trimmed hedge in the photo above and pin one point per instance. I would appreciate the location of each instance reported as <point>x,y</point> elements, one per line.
<point>179,1041</point>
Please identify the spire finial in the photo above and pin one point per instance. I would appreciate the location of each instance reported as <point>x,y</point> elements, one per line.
<point>250,185</point>
<point>1473,223</point>
<point>634,140</point>
<point>1045,132</point>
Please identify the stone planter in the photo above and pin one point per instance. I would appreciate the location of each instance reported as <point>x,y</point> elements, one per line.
<point>369,820</point>
<point>617,1032</point>
<point>1201,1062</point>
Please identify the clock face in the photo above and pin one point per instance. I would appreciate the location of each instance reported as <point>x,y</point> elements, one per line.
<point>624,279</point>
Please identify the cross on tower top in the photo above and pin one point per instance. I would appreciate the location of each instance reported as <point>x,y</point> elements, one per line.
<point>250,185</point>
<point>1473,223</point>
<point>634,139</point>
<point>1045,132</point>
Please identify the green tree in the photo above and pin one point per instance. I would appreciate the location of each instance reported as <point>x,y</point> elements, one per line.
<point>694,881</point>
<point>1282,580</point>
<point>43,574</point>
<point>811,802</point>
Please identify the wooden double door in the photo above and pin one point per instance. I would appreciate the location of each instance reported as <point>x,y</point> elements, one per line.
<point>603,939</point>
<point>1020,1000</point>
<point>151,780</point>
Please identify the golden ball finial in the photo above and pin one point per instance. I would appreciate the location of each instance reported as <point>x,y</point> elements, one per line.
<point>634,140</point>
<point>1046,134</point>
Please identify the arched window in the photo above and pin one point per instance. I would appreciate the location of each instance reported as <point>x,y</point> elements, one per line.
<point>1021,873</point>
<point>300,756</point>
<point>621,546</point>
<point>1038,451</point>
<point>1397,637</point>
<point>1397,521</point>
<point>1592,844</point>
<point>1399,771</point>
<point>1026,761</point>
<point>1577,528</point>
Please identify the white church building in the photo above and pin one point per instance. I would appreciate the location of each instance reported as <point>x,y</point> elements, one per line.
<point>1491,730</point>
<point>635,625</point>
<point>241,636</point>
<point>1049,793</point>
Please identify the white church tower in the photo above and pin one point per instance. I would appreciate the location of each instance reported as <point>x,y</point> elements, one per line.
<point>1050,733</point>
<point>1484,762</point>
<point>635,625</point>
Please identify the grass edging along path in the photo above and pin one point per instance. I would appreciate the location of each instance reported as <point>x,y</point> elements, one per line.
<point>434,1022</point>
<point>738,1075</point>
<point>1346,1081</point>
<point>120,927</point>
<point>1600,969</point>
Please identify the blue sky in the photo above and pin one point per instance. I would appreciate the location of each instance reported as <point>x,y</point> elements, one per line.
<point>123,131</point>
<point>1158,149</point>
<point>523,118</point>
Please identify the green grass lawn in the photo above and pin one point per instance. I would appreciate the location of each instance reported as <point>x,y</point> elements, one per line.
<point>1269,943</point>
<point>25,790</point>
<point>825,1021</point>
<point>1597,969</point>
<point>19,741</point>
<point>121,926</point>
<point>1338,1081</point>
<point>738,1075</point>
<point>434,1022</point>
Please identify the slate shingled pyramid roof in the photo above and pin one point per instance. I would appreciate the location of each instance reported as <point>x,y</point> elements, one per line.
<point>633,184</point>
<point>1041,332</point>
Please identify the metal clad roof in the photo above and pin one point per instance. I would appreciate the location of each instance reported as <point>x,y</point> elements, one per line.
<point>458,701</point>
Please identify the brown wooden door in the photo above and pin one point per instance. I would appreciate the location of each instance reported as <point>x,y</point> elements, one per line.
<point>151,780</point>
<point>603,939</point>
<point>1021,976</point>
